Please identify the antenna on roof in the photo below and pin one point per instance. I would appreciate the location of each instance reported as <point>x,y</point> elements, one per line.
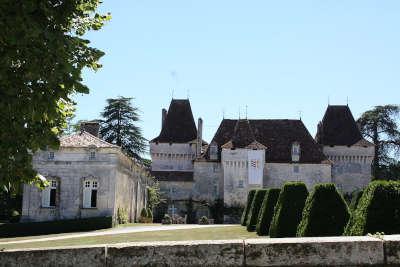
<point>347,100</point>
<point>239,112</point>
<point>329,101</point>
<point>223,113</point>
<point>172,93</point>
<point>246,112</point>
<point>188,93</point>
<point>300,113</point>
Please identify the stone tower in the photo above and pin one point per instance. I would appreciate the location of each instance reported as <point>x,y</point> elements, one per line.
<point>343,144</point>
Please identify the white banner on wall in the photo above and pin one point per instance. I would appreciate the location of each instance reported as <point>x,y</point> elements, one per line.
<point>256,166</point>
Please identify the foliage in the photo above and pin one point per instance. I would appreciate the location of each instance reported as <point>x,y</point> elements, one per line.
<point>355,199</point>
<point>381,127</point>
<point>288,210</point>
<point>203,220</point>
<point>119,126</point>
<point>54,227</point>
<point>190,212</point>
<point>377,211</point>
<point>267,211</point>
<point>217,210</point>
<point>42,55</point>
<point>154,195</point>
<point>325,213</point>
<point>255,210</point>
<point>150,215</point>
<point>10,201</point>
<point>167,219</point>
<point>250,197</point>
<point>122,216</point>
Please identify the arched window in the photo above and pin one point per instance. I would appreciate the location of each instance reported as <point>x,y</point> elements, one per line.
<point>296,152</point>
<point>90,187</point>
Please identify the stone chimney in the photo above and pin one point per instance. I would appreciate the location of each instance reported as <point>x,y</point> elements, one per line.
<point>163,117</point>
<point>199,136</point>
<point>91,127</point>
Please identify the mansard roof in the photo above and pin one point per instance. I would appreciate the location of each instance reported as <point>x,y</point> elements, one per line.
<point>277,136</point>
<point>338,127</point>
<point>179,125</point>
<point>83,139</point>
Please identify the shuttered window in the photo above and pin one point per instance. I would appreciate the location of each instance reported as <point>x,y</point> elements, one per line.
<point>90,193</point>
<point>49,195</point>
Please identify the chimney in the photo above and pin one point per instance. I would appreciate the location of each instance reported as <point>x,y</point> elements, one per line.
<point>199,136</point>
<point>163,117</point>
<point>91,127</point>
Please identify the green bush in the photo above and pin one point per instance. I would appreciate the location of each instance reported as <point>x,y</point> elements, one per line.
<point>167,219</point>
<point>15,216</point>
<point>54,227</point>
<point>267,211</point>
<point>204,220</point>
<point>378,210</point>
<point>288,210</point>
<point>250,197</point>
<point>325,213</point>
<point>355,199</point>
<point>255,210</point>
<point>150,215</point>
<point>122,216</point>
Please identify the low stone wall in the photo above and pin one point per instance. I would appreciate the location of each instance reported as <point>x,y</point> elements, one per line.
<point>329,251</point>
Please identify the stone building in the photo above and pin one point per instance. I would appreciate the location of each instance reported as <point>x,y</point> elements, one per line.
<point>88,177</point>
<point>351,155</point>
<point>246,154</point>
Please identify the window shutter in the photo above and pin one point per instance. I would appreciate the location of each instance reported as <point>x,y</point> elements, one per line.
<point>87,197</point>
<point>46,197</point>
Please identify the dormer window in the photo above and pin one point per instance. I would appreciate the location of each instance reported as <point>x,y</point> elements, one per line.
<point>213,152</point>
<point>296,152</point>
<point>50,155</point>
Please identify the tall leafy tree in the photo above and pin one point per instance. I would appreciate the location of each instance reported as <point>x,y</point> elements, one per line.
<point>42,54</point>
<point>119,126</point>
<point>381,126</point>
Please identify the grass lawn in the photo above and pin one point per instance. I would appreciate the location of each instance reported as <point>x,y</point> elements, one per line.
<point>9,239</point>
<point>211,233</point>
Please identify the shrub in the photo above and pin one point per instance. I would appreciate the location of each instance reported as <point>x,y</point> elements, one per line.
<point>15,216</point>
<point>149,215</point>
<point>378,210</point>
<point>122,216</point>
<point>355,199</point>
<point>167,219</point>
<point>54,227</point>
<point>325,213</point>
<point>252,217</point>
<point>288,210</point>
<point>267,211</point>
<point>250,196</point>
<point>143,216</point>
<point>203,220</point>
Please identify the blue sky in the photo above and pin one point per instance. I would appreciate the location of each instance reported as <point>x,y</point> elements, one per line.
<point>276,57</point>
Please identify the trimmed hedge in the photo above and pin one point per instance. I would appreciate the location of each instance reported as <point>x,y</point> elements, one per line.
<point>255,210</point>
<point>378,210</point>
<point>288,210</point>
<point>267,211</point>
<point>54,227</point>
<point>325,213</point>
<point>246,210</point>
<point>355,199</point>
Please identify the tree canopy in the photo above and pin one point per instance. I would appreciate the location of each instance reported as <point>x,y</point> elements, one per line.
<point>119,127</point>
<point>380,125</point>
<point>42,54</point>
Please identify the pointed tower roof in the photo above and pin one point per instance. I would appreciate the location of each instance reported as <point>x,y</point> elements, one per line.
<point>338,127</point>
<point>179,126</point>
<point>243,136</point>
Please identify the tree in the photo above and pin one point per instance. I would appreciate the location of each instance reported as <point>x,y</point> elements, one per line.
<point>42,54</point>
<point>119,126</point>
<point>154,195</point>
<point>380,126</point>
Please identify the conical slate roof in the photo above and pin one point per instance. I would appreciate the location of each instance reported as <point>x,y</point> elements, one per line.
<point>338,127</point>
<point>179,126</point>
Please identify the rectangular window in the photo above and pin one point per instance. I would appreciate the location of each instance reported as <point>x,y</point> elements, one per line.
<point>92,155</point>
<point>49,195</point>
<point>296,169</point>
<point>90,194</point>
<point>50,156</point>
<point>240,184</point>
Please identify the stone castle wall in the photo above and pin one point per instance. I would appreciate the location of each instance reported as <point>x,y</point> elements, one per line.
<point>172,157</point>
<point>351,169</point>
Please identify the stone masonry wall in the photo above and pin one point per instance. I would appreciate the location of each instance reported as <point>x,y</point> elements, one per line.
<point>321,251</point>
<point>172,157</point>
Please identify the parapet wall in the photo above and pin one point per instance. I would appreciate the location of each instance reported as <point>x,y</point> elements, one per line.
<point>329,251</point>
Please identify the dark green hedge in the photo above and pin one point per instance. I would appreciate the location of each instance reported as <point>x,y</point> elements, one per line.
<point>267,211</point>
<point>54,227</point>
<point>378,210</point>
<point>246,210</point>
<point>288,210</point>
<point>325,213</point>
<point>255,210</point>
<point>355,199</point>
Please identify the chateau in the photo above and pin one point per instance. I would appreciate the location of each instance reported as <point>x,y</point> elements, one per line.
<point>246,154</point>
